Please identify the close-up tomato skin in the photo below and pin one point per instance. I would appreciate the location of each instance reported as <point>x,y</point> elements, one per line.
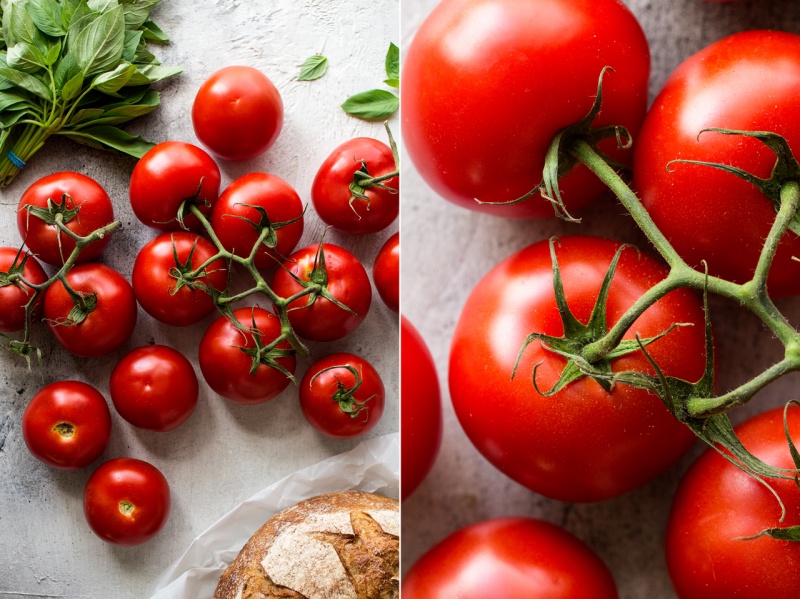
<point>510,558</point>
<point>14,296</point>
<point>109,325</point>
<point>126,501</point>
<point>237,113</point>
<point>707,214</point>
<point>87,204</point>
<point>67,425</point>
<point>581,444</point>
<point>331,191</point>
<point>386,272</point>
<point>483,98</point>
<point>717,504</point>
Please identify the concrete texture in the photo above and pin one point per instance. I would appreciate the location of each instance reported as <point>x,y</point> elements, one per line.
<point>448,249</point>
<point>224,453</point>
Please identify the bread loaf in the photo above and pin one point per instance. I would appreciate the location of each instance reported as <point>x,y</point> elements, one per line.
<point>335,546</point>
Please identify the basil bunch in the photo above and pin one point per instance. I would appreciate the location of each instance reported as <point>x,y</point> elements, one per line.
<point>78,68</point>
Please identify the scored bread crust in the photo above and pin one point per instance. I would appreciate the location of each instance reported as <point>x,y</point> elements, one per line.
<point>337,546</point>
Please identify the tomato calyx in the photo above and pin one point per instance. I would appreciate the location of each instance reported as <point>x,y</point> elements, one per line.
<point>13,275</point>
<point>363,180</point>
<point>64,429</point>
<point>185,208</point>
<point>55,211</point>
<point>266,354</point>
<point>267,230</point>
<point>344,395</point>
<point>186,275</point>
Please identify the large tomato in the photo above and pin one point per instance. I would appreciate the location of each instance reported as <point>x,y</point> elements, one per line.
<point>237,113</point>
<point>238,211</point>
<point>708,214</point>
<point>160,292</point>
<point>14,295</point>
<point>386,272</point>
<point>582,444</point>
<point>111,308</point>
<point>510,558</point>
<point>169,174</point>
<point>83,206</point>
<point>487,84</point>
<point>331,192</point>
<point>717,504</point>
<point>420,409</point>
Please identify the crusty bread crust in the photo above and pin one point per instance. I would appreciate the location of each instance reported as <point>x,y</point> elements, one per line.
<point>336,546</point>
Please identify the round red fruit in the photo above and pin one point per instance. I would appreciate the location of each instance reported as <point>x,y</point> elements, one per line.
<point>386,272</point>
<point>14,294</point>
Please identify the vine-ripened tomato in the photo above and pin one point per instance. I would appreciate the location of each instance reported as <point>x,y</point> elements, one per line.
<point>510,557</point>
<point>84,207</point>
<point>241,202</point>
<point>109,324</point>
<point>126,501</point>
<point>581,444</point>
<point>237,113</point>
<point>717,504</point>
<point>158,289</point>
<point>67,425</point>
<point>420,409</point>
<point>331,192</point>
<point>732,84</point>
<point>483,97</point>
<point>168,175</point>
<point>154,387</point>
<point>386,272</point>
<point>14,295</point>
<point>226,366</point>
<point>347,282</point>
<point>342,396</point>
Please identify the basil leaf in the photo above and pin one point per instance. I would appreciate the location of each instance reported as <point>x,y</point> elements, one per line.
<point>66,69</point>
<point>112,81</point>
<point>85,115</point>
<point>98,46</point>
<point>132,39</point>
<point>4,83</point>
<point>121,113</point>
<point>72,18</point>
<point>72,88</point>
<point>9,118</point>
<point>137,11</point>
<point>151,73</point>
<point>153,33</point>
<point>395,83</point>
<point>393,64</point>
<point>372,104</point>
<point>25,57</point>
<point>111,137</point>
<point>313,68</point>
<point>48,17</point>
<point>102,5</point>
<point>21,27</point>
<point>27,82</point>
<point>12,100</point>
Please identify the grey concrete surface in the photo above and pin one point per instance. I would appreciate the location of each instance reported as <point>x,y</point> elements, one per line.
<point>224,453</point>
<point>448,249</point>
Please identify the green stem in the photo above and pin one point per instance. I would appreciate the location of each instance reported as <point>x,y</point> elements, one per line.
<point>790,201</point>
<point>30,141</point>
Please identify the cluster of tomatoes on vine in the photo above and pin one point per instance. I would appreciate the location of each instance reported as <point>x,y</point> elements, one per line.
<point>205,240</point>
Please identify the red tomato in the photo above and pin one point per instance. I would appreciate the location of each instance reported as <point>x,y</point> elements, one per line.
<point>331,191</point>
<point>169,174</point>
<point>510,558</point>
<point>226,366</point>
<point>483,96</point>
<point>159,291</point>
<point>386,272</point>
<point>237,113</point>
<point>723,86</point>
<point>421,409</point>
<point>111,320</point>
<point>338,402</point>
<point>83,205</point>
<point>242,200</point>
<point>126,501</point>
<point>582,444</point>
<point>14,295</point>
<point>154,387</point>
<point>347,282</point>
<point>67,425</point>
<point>716,504</point>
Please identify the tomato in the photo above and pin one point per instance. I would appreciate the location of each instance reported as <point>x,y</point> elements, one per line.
<point>342,396</point>
<point>716,504</point>
<point>169,174</point>
<point>510,557</point>
<point>723,86</point>
<point>581,444</point>
<point>226,366</point>
<point>161,293</point>
<point>347,282</point>
<point>237,113</point>
<point>483,97</point>
<point>420,411</point>
<point>331,192</point>
<point>83,206</point>
<point>386,272</point>
<point>154,387</point>
<point>67,425</point>
<point>126,501</point>
<point>113,311</point>
<point>238,211</point>
<point>14,295</point>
